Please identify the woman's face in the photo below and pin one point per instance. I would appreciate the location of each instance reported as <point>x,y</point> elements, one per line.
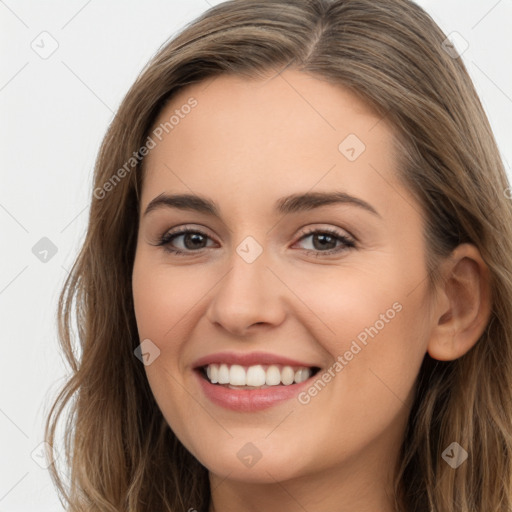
<point>313,259</point>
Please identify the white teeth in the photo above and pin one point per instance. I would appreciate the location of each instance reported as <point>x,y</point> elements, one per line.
<point>287,375</point>
<point>273,376</point>
<point>237,375</point>
<point>255,376</point>
<point>223,375</point>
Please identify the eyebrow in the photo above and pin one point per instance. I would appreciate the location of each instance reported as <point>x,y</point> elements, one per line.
<point>294,203</point>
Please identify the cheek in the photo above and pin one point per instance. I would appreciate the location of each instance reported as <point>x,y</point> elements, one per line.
<point>163,296</point>
<point>161,302</point>
<point>372,323</point>
<point>341,304</point>
<point>167,303</point>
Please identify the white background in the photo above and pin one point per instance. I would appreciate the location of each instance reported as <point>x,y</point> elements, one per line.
<point>54,114</point>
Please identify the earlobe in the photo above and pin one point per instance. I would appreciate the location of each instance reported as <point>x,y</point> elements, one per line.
<point>464,304</point>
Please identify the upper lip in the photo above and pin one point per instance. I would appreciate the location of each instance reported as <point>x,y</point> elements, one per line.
<point>248,359</point>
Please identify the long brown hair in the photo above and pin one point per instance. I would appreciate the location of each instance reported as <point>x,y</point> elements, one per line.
<point>121,453</point>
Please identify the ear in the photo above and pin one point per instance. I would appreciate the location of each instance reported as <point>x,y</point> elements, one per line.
<point>463,305</point>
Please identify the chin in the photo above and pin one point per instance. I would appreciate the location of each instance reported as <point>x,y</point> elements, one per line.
<point>247,463</point>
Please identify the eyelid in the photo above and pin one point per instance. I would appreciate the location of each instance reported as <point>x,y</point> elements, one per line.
<point>330,229</point>
<point>187,227</point>
<point>182,231</point>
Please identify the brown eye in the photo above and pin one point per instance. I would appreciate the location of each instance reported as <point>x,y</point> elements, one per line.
<point>325,241</point>
<point>193,240</point>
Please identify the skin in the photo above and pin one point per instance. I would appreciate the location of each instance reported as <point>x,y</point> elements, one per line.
<point>246,144</point>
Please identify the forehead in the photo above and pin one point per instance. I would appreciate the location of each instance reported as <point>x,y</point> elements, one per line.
<point>288,132</point>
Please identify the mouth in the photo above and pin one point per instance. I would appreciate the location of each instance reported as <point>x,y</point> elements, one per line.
<point>255,377</point>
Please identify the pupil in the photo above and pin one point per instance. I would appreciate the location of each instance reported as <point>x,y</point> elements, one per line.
<point>324,237</point>
<point>196,237</point>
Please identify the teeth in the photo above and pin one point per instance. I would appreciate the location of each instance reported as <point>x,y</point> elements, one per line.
<point>273,376</point>
<point>256,376</point>
<point>237,375</point>
<point>223,375</point>
<point>287,375</point>
<point>302,374</point>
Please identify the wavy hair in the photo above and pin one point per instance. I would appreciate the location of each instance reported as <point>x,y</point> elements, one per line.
<point>120,453</point>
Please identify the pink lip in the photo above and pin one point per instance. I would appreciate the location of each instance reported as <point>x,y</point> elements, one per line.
<point>249,400</point>
<point>248,359</point>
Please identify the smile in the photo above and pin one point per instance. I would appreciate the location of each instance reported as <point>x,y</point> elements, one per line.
<point>244,398</point>
<point>258,376</point>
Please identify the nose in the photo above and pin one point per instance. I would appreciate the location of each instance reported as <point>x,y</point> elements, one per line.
<point>249,294</point>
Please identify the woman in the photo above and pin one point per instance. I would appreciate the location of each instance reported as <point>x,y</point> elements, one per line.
<point>339,339</point>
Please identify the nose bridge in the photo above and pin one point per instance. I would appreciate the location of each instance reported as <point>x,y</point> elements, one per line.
<point>248,293</point>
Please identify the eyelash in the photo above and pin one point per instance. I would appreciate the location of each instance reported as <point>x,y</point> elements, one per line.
<point>348,242</point>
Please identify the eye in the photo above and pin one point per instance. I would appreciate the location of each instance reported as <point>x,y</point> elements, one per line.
<point>325,241</point>
<point>193,240</point>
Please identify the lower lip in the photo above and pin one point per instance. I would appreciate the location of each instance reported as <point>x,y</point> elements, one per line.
<point>248,400</point>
